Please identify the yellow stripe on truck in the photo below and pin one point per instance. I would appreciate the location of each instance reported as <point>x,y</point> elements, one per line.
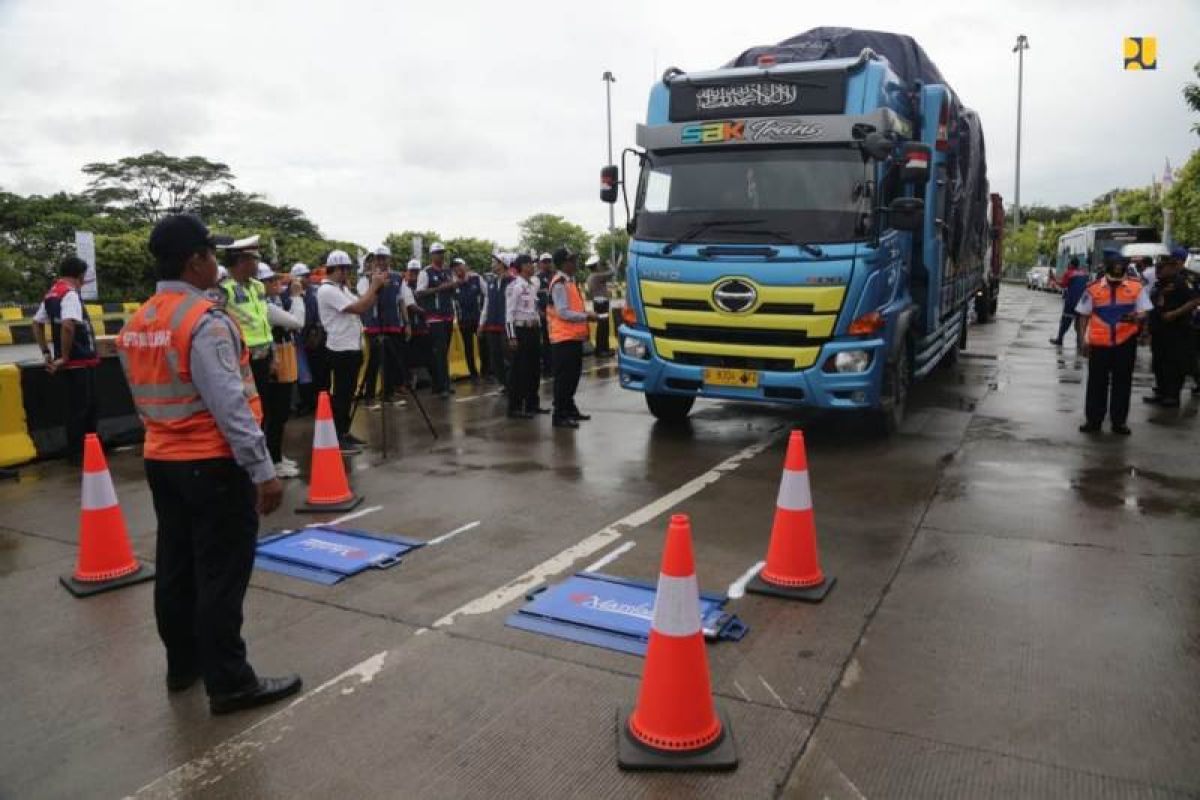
<point>801,357</point>
<point>819,327</point>
<point>823,299</point>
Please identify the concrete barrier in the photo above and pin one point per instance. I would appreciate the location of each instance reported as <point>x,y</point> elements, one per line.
<point>16,446</point>
<point>45,407</point>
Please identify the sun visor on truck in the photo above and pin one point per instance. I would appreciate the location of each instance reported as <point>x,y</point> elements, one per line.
<point>810,92</point>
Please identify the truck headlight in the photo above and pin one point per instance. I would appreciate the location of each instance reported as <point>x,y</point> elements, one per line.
<point>634,348</point>
<point>852,361</point>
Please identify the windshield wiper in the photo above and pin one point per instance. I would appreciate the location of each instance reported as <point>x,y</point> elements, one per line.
<point>701,227</point>
<point>811,249</point>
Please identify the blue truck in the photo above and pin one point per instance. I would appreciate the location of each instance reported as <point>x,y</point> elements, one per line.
<point>809,228</point>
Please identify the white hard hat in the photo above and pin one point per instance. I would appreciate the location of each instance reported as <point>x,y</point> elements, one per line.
<point>438,247</point>
<point>265,273</point>
<point>222,273</point>
<point>545,257</point>
<point>383,250</point>
<point>414,264</point>
<point>338,258</point>
<point>299,270</point>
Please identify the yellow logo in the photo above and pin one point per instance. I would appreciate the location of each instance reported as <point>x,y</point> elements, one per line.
<point>1141,52</point>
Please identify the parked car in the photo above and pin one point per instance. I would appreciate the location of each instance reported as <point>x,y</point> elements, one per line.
<point>1038,278</point>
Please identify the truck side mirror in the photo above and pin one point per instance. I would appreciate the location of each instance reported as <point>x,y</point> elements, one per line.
<point>609,179</point>
<point>906,213</point>
<point>916,163</point>
<point>877,146</point>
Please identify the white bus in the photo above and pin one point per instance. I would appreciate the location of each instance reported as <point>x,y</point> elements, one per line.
<point>1089,242</point>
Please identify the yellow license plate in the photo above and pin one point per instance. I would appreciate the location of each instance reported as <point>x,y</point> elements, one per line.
<point>745,378</point>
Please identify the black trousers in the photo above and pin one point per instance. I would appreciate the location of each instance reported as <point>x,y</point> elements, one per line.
<point>602,317</point>
<point>469,331</point>
<point>207,529</point>
<point>1109,382</point>
<point>277,406</point>
<point>439,366</point>
<point>81,406</point>
<point>547,364</point>
<point>318,365</point>
<point>386,350</point>
<point>485,355</point>
<point>496,347</point>
<point>261,369</point>
<point>525,373</point>
<point>345,365</point>
<point>568,365</point>
<point>1067,321</point>
<point>1174,359</point>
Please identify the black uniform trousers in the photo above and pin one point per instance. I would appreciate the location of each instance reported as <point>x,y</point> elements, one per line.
<point>525,373</point>
<point>1109,382</point>
<point>207,529</point>
<point>345,365</point>
<point>1174,358</point>
<point>469,331</point>
<point>439,366</point>
<point>318,367</point>
<point>568,366</point>
<point>386,351</point>
<point>496,347</point>
<point>81,406</point>
<point>601,308</point>
<point>277,407</point>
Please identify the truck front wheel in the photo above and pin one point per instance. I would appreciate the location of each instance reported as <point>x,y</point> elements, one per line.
<point>896,379</point>
<point>670,407</point>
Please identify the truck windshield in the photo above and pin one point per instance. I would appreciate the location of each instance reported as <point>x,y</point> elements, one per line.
<point>807,194</point>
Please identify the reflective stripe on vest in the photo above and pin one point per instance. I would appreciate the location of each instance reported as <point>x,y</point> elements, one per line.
<point>1110,305</point>
<point>248,307</point>
<point>560,329</point>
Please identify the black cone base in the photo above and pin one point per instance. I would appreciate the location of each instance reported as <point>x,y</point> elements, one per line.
<point>88,588</point>
<point>346,505</point>
<point>809,594</point>
<point>720,756</point>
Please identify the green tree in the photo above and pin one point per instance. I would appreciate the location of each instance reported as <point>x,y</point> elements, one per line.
<point>610,242</point>
<point>476,252</point>
<point>148,186</point>
<point>1191,95</point>
<point>401,244</point>
<point>1184,202</point>
<point>544,233</point>
<point>233,207</point>
<point>124,266</point>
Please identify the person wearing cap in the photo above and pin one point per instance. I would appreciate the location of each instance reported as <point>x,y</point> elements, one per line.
<point>340,309</point>
<point>569,320</point>
<point>436,286</point>
<point>492,321</point>
<point>522,325</point>
<point>597,286</point>
<point>418,353</point>
<point>468,301</point>
<point>74,357</point>
<point>384,323</point>
<point>1110,314</point>
<point>285,312</point>
<point>1171,338</point>
<point>206,461</point>
<point>246,302</point>
<point>541,282</point>
<point>310,355</point>
<point>1074,283</point>
<point>1192,273</point>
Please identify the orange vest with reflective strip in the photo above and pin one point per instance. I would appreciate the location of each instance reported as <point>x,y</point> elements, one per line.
<point>1110,305</point>
<point>560,329</point>
<point>155,347</point>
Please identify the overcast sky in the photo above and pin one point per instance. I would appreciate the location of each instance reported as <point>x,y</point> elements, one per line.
<point>466,117</point>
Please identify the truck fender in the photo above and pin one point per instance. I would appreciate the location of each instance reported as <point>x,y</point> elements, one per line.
<point>904,319</point>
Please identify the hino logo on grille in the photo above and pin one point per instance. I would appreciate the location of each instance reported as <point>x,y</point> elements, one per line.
<point>735,296</point>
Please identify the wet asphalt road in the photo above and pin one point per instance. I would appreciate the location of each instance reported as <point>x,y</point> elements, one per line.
<point>1017,610</point>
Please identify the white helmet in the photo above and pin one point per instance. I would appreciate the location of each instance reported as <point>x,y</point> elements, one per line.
<point>338,258</point>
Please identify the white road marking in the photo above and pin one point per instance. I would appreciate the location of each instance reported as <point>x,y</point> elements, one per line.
<point>477,396</point>
<point>225,756</point>
<point>773,693</point>
<point>605,560</point>
<point>522,584</point>
<point>738,588</point>
<point>741,691</point>
<point>346,518</point>
<point>453,533</point>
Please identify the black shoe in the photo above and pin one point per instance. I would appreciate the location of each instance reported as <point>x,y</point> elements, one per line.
<point>1089,427</point>
<point>565,422</point>
<point>1122,430</point>
<point>1152,399</point>
<point>1168,402</point>
<point>181,682</point>
<point>581,417</point>
<point>351,439</point>
<point>267,690</point>
<point>1056,342</point>
<point>348,445</point>
<point>520,415</point>
<point>538,410</point>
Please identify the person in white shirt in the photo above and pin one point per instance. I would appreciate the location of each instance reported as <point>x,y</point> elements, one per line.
<point>339,309</point>
<point>285,313</point>
<point>523,326</point>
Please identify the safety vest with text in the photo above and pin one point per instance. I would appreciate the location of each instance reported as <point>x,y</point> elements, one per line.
<point>155,347</point>
<point>248,307</point>
<point>1113,307</point>
<point>560,329</point>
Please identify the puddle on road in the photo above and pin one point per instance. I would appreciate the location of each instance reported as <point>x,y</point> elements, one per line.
<point>1141,490</point>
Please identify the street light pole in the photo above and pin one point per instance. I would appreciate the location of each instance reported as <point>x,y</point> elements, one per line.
<point>1020,48</point>
<point>609,79</point>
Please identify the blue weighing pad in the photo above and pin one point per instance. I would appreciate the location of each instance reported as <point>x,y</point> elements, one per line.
<point>607,611</point>
<point>325,554</point>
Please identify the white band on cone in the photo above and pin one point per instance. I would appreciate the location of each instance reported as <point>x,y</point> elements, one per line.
<point>98,492</point>
<point>794,494</point>
<point>324,435</point>
<point>677,606</point>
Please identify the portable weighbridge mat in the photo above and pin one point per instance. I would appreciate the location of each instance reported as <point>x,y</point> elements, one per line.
<point>326,554</point>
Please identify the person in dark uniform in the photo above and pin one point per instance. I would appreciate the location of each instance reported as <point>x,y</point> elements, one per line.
<point>188,367</point>
<point>435,295</point>
<point>1074,283</point>
<point>384,326</point>
<point>1192,273</point>
<point>418,352</point>
<point>522,325</point>
<point>541,282</point>
<point>1171,337</point>
<point>74,356</point>
<point>468,299</point>
<point>492,322</point>
<point>597,283</point>
<point>1110,316</point>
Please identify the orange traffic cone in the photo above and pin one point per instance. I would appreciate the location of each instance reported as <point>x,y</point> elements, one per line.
<point>793,569</point>
<point>675,725</point>
<point>106,560</point>
<point>328,489</point>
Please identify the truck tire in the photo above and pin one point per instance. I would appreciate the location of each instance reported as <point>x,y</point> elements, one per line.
<point>897,377</point>
<point>670,407</point>
<point>983,309</point>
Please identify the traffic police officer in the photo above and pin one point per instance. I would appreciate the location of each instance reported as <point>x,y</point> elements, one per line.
<point>492,321</point>
<point>1110,314</point>
<point>523,326</point>
<point>568,331</point>
<point>1171,336</point>
<point>541,282</point>
<point>206,460</point>
<point>435,295</point>
<point>246,302</point>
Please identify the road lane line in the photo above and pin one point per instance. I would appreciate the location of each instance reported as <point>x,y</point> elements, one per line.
<point>231,753</point>
<point>604,561</point>
<point>453,533</point>
<point>347,517</point>
<point>522,584</point>
<point>741,691</point>
<point>477,396</point>
<point>738,588</point>
<point>773,693</point>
